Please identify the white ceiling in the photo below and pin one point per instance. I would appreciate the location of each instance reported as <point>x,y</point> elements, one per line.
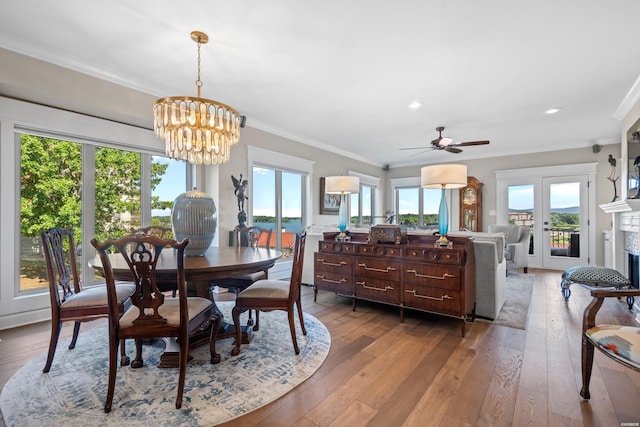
<point>341,74</point>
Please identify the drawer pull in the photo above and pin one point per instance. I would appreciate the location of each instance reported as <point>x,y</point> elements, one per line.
<point>333,264</point>
<point>386,288</point>
<point>442,298</point>
<point>381,270</point>
<point>321,277</point>
<point>443,277</point>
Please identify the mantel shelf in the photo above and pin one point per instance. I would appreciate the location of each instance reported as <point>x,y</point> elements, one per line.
<point>621,206</point>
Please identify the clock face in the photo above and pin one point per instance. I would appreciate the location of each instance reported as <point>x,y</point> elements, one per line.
<point>469,197</point>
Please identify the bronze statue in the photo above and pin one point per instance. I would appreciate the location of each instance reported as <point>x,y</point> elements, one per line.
<point>240,188</point>
<point>612,177</point>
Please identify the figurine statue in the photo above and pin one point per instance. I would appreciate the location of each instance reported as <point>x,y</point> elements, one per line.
<point>240,186</point>
<point>612,177</point>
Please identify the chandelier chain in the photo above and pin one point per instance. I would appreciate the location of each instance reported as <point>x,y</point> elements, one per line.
<point>199,82</point>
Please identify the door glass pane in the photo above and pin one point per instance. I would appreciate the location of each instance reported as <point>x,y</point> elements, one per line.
<point>408,206</point>
<point>168,181</point>
<point>291,209</point>
<point>50,196</point>
<point>564,208</point>
<point>520,205</point>
<point>263,199</point>
<point>117,192</point>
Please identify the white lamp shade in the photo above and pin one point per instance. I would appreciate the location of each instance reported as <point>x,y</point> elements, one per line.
<point>443,176</point>
<point>342,184</point>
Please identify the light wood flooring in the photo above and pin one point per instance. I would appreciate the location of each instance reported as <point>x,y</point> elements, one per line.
<point>381,372</point>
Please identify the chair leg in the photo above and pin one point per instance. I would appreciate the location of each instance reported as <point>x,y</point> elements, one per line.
<point>113,369</point>
<point>213,337</point>
<point>256,327</point>
<point>526,270</point>
<point>235,313</point>
<point>292,328</point>
<point>53,342</point>
<point>587,366</point>
<point>299,304</point>
<point>138,362</point>
<point>76,332</point>
<point>183,357</point>
<point>124,359</point>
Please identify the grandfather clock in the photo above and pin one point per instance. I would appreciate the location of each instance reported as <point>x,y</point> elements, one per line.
<point>471,205</point>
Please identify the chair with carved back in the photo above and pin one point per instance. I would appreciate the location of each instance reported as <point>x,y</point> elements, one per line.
<point>70,302</point>
<point>618,342</point>
<point>161,233</point>
<point>152,314</point>
<point>253,237</point>
<point>269,295</point>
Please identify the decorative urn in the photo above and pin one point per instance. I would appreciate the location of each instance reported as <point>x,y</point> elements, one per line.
<point>194,215</point>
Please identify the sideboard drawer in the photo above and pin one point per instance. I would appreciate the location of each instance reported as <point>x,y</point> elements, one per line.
<point>436,300</point>
<point>337,247</point>
<point>333,262</point>
<point>386,291</point>
<point>380,250</point>
<point>334,282</point>
<point>435,255</point>
<point>436,276</point>
<point>379,268</point>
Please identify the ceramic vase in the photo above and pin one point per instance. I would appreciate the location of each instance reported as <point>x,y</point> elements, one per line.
<point>194,215</point>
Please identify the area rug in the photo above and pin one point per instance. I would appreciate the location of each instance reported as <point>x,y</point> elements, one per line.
<point>515,310</point>
<point>73,392</point>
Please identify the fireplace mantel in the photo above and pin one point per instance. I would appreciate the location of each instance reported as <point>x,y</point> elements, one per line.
<point>627,205</point>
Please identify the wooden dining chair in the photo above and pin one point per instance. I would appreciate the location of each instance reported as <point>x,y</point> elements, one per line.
<point>151,315</point>
<point>252,237</point>
<point>618,342</point>
<point>70,302</point>
<point>268,295</point>
<point>161,233</point>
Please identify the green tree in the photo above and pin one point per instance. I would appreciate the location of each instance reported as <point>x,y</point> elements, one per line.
<point>51,187</point>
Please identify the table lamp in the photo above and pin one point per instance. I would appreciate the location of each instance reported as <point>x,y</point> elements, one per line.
<point>444,177</point>
<point>342,185</point>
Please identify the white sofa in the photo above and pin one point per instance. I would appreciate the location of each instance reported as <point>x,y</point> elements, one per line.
<point>491,272</point>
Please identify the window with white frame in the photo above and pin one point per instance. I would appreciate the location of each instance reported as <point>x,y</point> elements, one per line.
<point>362,205</point>
<point>415,207</point>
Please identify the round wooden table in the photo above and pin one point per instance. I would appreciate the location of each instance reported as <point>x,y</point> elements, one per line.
<point>200,273</point>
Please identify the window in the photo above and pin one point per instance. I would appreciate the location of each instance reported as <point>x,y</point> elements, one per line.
<point>277,204</point>
<point>362,206</point>
<point>417,207</point>
<point>53,195</point>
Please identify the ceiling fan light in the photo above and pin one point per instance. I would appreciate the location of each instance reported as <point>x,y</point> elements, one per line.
<point>445,141</point>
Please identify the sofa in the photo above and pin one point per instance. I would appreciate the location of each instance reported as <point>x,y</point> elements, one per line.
<point>490,266</point>
<point>516,240</point>
<point>491,271</point>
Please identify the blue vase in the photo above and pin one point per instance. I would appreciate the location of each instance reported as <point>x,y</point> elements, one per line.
<point>194,215</point>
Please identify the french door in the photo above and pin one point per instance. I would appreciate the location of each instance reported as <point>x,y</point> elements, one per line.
<point>565,220</point>
<point>555,203</point>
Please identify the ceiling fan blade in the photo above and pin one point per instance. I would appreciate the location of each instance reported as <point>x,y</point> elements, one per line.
<point>412,148</point>
<point>453,150</point>
<point>420,152</point>
<point>463,144</point>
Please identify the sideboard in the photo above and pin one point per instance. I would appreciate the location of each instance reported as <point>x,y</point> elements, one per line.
<point>418,274</point>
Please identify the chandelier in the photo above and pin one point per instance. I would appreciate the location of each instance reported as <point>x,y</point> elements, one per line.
<point>197,130</point>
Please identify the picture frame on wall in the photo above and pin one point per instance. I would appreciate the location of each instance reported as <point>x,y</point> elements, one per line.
<point>329,203</point>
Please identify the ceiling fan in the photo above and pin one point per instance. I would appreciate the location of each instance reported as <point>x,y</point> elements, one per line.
<point>446,144</point>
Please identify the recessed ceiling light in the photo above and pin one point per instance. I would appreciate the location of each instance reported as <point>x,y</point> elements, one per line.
<point>553,110</point>
<point>415,104</point>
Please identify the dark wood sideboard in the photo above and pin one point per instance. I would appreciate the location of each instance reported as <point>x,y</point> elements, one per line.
<point>417,275</point>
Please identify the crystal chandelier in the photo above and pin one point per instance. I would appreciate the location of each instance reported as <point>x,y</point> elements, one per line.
<point>197,130</point>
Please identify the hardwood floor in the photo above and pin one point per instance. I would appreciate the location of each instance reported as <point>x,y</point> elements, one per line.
<point>381,372</point>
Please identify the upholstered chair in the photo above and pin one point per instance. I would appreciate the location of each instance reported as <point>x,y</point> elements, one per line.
<point>516,249</point>
<point>70,302</point>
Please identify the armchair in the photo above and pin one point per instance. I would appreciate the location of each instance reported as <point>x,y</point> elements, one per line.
<point>516,249</point>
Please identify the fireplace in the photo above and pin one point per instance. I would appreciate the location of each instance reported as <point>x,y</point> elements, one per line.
<point>633,269</point>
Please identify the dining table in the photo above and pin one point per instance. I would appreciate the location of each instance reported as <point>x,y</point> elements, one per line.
<point>200,273</point>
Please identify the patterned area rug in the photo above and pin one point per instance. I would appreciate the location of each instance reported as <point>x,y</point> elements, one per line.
<point>515,311</point>
<point>73,392</point>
